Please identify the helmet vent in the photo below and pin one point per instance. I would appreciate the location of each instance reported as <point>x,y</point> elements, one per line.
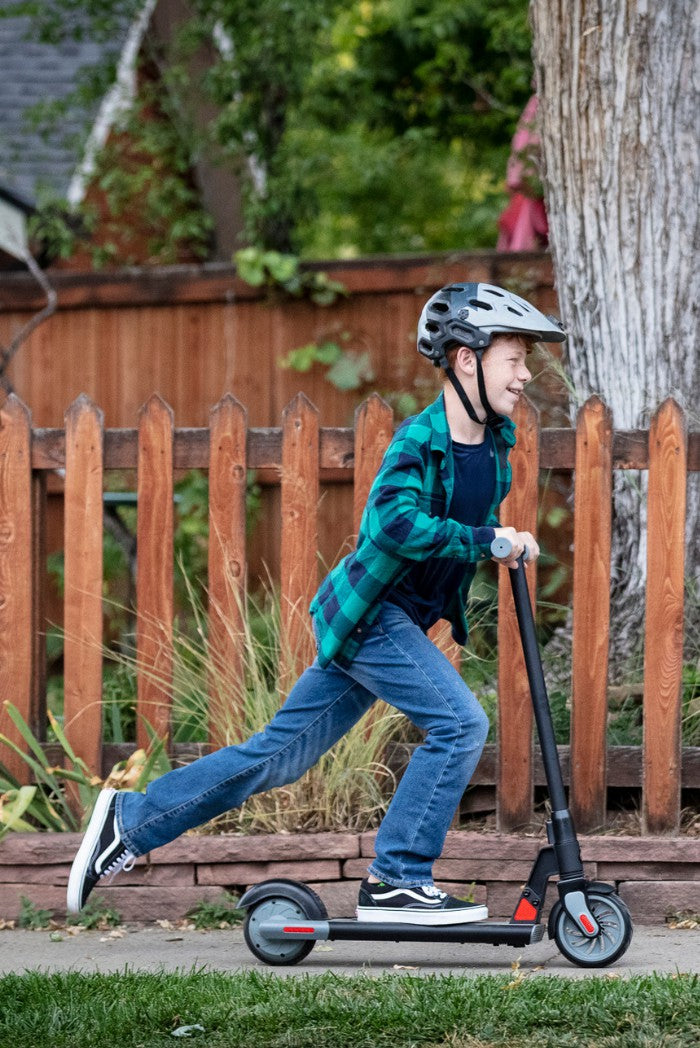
<point>479,304</point>
<point>440,307</point>
<point>518,312</point>
<point>492,291</point>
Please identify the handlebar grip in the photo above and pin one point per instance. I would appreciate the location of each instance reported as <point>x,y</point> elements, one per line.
<point>503,547</point>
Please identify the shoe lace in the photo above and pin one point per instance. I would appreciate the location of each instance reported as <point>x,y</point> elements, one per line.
<point>124,862</point>
<point>433,892</point>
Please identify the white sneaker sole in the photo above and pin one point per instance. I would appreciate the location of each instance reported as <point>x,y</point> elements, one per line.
<point>375,914</point>
<point>92,833</point>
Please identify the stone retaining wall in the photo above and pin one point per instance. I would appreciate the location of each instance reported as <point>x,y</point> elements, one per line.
<point>655,875</point>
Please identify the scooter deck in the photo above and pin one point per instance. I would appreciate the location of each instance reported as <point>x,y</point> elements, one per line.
<point>494,932</point>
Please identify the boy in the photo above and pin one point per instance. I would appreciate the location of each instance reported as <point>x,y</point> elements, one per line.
<point>430,518</point>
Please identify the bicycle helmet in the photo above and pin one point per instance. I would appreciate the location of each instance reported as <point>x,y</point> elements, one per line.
<point>470,315</point>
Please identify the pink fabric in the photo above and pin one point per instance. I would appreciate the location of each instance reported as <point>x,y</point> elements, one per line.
<point>523,224</point>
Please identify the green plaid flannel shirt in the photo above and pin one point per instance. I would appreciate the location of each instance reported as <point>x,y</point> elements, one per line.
<point>405,520</point>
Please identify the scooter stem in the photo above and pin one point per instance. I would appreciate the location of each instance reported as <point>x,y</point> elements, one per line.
<point>538,688</point>
<point>560,831</point>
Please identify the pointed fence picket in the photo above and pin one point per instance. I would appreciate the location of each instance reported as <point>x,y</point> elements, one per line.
<point>82,646</point>
<point>663,648</point>
<point>299,485</point>
<point>154,582</point>
<point>16,575</point>
<point>300,454</point>
<point>227,565</point>
<point>591,617</point>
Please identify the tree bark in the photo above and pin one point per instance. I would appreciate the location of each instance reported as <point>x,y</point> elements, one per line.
<point>618,88</point>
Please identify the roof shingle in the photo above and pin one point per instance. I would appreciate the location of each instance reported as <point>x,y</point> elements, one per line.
<point>32,72</point>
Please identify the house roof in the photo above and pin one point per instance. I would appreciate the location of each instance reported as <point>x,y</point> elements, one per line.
<point>32,72</point>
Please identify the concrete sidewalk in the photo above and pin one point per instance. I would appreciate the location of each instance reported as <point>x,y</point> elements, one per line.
<point>152,948</point>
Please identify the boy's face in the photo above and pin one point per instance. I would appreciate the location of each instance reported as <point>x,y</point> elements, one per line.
<point>505,371</point>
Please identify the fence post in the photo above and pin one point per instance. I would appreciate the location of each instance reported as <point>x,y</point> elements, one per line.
<point>154,580</point>
<point>591,618</point>
<point>82,659</point>
<point>514,795</point>
<point>228,422</point>
<point>16,577</point>
<point>299,546</point>
<point>663,647</point>
<point>374,428</point>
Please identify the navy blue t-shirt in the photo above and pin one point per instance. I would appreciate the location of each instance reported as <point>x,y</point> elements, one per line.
<point>428,587</point>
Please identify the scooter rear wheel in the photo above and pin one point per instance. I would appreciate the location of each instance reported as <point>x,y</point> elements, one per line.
<point>614,937</point>
<point>288,908</point>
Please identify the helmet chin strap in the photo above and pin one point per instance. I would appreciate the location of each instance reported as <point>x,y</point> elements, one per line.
<point>493,419</point>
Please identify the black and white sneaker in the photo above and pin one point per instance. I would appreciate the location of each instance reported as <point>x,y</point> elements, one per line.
<point>424,904</point>
<point>102,852</point>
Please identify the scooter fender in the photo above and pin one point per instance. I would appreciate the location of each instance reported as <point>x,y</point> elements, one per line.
<point>285,888</point>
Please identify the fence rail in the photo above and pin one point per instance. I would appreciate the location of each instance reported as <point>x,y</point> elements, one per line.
<point>299,454</point>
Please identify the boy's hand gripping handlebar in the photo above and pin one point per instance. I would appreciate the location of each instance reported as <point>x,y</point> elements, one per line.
<point>502,548</point>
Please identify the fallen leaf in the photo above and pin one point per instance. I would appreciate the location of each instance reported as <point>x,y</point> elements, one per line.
<point>116,933</point>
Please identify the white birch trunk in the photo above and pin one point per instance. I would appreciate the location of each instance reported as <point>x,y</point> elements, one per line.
<point>619,103</point>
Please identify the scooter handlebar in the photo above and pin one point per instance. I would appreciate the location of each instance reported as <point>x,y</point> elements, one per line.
<point>501,548</point>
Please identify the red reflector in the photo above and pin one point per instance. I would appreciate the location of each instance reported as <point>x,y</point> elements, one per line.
<point>586,924</point>
<point>294,928</point>
<point>525,911</point>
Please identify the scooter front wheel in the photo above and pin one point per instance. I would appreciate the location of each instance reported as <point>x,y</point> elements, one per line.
<point>293,907</point>
<point>608,945</point>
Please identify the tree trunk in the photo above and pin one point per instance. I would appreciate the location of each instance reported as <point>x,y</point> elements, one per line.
<point>618,88</point>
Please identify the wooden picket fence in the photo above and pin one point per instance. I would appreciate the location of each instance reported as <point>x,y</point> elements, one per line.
<point>301,454</point>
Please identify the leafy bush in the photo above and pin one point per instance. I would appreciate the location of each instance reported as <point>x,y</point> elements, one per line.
<point>216,913</point>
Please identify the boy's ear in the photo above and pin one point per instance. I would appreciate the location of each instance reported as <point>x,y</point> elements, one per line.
<point>466,359</point>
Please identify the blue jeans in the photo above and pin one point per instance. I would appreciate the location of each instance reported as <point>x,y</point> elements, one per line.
<point>397,663</point>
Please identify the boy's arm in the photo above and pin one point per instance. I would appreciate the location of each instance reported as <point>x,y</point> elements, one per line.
<point>397,518</point>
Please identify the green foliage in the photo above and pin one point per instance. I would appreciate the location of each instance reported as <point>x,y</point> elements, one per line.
<point>281,272</point>
<point>32,917</point>
<point>56,23</point>
<point>46,804</point>
<point>95,914</point>
<point>257,86</point>
<point>216,913</point>
<point>691,704</point>
<point>433,92</point>
<point>54,227</point>
<point>152,174</point>
<point>354,127</point>
<point>346,369</point>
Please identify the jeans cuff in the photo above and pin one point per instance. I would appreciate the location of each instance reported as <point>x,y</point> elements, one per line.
<point>421,883</point>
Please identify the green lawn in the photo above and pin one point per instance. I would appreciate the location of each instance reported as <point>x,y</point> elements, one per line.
<point>261,1010</point>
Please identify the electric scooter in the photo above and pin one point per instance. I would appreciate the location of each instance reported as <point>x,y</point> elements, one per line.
<point>590,924</point>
